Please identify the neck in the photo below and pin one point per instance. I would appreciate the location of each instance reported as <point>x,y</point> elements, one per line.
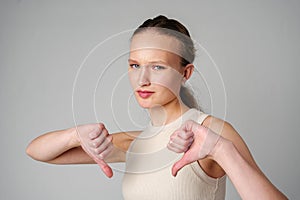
<point>161,115</point>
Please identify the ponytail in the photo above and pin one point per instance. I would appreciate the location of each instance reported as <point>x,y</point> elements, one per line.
<point>187,98</point>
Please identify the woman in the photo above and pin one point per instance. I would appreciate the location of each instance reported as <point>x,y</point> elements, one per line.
<point>160,61</point>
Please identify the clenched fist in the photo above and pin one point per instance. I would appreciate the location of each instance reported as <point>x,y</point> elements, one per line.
<point>195,140</point>
<point>97,143</point>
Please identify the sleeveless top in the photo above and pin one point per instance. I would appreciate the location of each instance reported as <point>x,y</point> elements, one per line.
<point>149,165</point>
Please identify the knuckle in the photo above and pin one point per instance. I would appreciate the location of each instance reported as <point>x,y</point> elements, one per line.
<point>100,156</point>
<point>109,137</point>
<point>181,148</point>
<point>107,150</point>
<point>171,144</point>
<point>104,132</point>
<point>106,141</point>
<point>95,144</point>
<point>172,137</point>
<point>97,151</point>
<point>186,144</point>
<point>183,134</point>
<point>177,150</point>
<point>169,147</point>
<point>101,126</point>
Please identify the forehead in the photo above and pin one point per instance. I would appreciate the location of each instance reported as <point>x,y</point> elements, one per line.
<point>149,45</point>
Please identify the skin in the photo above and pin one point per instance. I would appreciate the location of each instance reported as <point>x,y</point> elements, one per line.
<point>248,180</point>
<point>164,106</point>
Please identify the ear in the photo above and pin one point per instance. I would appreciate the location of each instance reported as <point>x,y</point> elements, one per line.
<point>188,71</point>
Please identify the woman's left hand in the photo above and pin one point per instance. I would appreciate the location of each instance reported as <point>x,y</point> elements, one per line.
<point>195,140</point>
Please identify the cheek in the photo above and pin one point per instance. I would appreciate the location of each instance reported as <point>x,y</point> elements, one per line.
<point>133,79</point>
<point>166,92</point>
<point>170,82</point>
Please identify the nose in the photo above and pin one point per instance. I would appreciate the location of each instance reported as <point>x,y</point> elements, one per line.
<point>144,78</point>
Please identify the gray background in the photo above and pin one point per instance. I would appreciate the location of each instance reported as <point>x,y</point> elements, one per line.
<point>255,44</point>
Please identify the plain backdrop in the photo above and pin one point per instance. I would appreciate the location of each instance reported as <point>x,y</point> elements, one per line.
<point>43,44</point>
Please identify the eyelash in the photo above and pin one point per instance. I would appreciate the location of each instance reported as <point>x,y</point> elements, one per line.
<point>134,66</point>
<point>155,67</point>
<point>159,67</point>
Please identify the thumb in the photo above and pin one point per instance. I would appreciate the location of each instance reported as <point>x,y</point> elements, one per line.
<point>180,164</point>
<point>105,168</point>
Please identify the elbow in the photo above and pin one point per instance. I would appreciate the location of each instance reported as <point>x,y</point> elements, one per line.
<point>33,153</point>
<point>30,152</point>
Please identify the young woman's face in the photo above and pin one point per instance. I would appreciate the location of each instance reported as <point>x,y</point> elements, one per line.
<point>155,72</point>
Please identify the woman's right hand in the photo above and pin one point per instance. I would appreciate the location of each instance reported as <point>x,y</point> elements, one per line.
<point>97,143</point>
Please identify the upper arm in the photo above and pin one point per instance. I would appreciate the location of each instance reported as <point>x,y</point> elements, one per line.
<point>227,131</point>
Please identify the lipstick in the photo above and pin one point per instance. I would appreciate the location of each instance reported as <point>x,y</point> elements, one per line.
<point>144,93</point>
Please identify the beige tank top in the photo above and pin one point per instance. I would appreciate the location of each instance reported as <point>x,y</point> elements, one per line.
<point>149,163</point>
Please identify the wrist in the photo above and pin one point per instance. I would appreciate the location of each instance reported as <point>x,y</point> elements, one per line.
<point>220,149</point>
<point>73,137</point>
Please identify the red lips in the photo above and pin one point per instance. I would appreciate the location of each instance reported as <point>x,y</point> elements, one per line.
<point>144,93</point>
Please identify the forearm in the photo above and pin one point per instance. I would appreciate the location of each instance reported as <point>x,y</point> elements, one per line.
<point>250,183</point>
<point>51,145</point>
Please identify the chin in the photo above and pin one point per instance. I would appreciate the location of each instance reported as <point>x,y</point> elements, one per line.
<point>148,105</point>
<point>145,105</point>
<point>149,102</point>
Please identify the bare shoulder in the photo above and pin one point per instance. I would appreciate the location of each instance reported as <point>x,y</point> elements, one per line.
<point>226,130</point>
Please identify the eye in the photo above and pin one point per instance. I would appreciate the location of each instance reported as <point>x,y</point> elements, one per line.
<point>134,66</point>
<point>158,67</point>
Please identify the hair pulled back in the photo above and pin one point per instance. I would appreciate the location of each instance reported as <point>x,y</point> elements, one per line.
<point>164,25</point>
<point>180,32</point>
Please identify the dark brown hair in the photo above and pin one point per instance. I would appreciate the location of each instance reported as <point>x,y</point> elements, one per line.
<point>180,32</point>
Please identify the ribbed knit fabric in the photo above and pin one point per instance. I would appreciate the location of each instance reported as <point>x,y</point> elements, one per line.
<point>149,163</point>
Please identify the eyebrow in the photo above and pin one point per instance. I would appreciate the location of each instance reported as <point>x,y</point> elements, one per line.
<point>151,62</point>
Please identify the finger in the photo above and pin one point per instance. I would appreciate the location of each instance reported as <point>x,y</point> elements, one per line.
<point>101,126</point>
<point>178,148</point>
<point>177,140</point>
<point>99,140</point>
<point>95,133</point>
<point>105,168</point>
<point>104,145</point>
<point>182,142</point>
<point>185,134</point>
<point>174,149</point>
<point>191,126</point>
<point>180,164</point>
<point>106,151</point>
